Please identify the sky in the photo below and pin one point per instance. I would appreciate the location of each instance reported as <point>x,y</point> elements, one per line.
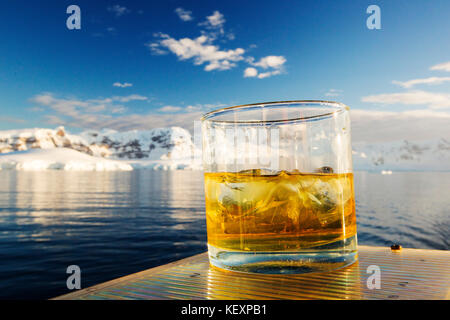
<point>148,64</point>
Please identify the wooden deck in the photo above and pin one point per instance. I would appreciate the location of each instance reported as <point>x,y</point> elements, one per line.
<point>407,274</point>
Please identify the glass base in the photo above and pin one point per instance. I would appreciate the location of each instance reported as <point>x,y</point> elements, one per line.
<point>320,259</point>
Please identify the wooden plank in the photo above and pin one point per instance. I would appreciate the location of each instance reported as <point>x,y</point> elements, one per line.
<point>408,274</point>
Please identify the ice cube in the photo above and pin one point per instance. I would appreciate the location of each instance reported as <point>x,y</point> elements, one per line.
<point>284,191</point>
<point>324,201</point>
<point>343,188</point>
<point>243,198</point>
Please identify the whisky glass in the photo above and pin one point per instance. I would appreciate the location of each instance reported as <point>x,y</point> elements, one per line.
<point>279,187</point>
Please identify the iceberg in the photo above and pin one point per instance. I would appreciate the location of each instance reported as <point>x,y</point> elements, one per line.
<point>59,159</point>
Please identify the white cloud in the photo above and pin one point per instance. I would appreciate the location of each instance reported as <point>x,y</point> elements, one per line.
<point>118,109</point>
<point>81,110</point>
<point>193,108</point>
<point>429,81</point>
<point>214,21</point>
<point>268,74</point>
<point>169,109</point>
<point>204,107</point>
<point>416,124</point>
<point>214,27</point>
<point>383,126</point>
<point>131,97</point>
<point>184,15</point>
<point>63,106</point>
<point>107,113</point>
<point>442,66</point>
<point>155,48</point>
<point>128,98</point>
<point>270,62</point>
<point>368,126</point>
<point>433,100</point>
<point>201,51</point>
<point>146,121</point>
<point>333,93</point>
<point>118,10</point>
<point>250,72</point>
<point>127,122</point>
<point>122,85</point>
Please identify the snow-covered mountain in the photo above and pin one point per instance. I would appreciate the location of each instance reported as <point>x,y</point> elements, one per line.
<point>163,148</point>
<point>157,144</point>
<point>431,155</point>
<point>173,148</point>
<point>25,139</point>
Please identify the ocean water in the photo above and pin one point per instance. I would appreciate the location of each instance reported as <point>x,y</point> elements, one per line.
<point>112,224</point>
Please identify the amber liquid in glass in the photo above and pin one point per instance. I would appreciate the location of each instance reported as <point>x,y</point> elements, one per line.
<point>256,211</point>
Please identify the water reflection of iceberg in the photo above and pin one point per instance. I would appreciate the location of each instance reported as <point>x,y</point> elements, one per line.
<point>141,208</point>
<point>52,197</point>
<point>56,194</point>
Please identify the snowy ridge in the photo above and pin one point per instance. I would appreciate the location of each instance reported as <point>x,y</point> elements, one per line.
<point>158,149</point>
<point>403,155</point>
<point>25,139</point>
<point>173,149</point>
<point>157,144</point>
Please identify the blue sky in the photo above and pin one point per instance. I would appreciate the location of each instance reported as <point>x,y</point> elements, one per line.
<point>173,60</point>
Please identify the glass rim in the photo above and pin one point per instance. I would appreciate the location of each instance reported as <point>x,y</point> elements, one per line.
<point>341,107</point>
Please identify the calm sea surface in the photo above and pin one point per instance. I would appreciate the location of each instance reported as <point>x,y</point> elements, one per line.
<point>113,224</point>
